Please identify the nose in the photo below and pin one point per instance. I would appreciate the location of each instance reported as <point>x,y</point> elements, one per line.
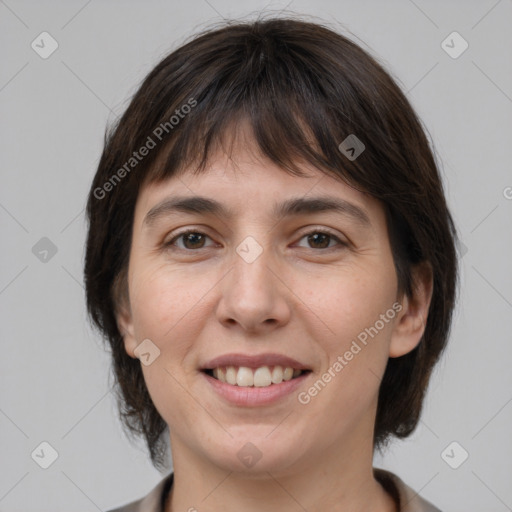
<point>254,296</point>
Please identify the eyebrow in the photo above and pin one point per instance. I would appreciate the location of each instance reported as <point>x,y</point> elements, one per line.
<point>290,207</point>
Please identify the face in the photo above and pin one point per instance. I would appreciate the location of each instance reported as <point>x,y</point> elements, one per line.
<point>248,293</point>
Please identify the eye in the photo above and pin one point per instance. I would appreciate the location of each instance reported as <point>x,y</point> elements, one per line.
<point>191,240</point>
<point>320,239</point>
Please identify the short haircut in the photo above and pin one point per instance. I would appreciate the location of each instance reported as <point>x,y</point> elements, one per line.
<point>303,88</point>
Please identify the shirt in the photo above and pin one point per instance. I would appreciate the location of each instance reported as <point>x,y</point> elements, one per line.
<point>405,497</point>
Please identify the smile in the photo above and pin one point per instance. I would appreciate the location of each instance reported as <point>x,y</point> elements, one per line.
<point>262,376</point>
<point>251,380</point>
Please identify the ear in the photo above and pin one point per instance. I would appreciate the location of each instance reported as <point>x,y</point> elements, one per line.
<point>411,321</point>
<point>125,326</point>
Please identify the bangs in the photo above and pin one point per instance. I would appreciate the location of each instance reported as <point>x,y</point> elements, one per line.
<point>278,93</point>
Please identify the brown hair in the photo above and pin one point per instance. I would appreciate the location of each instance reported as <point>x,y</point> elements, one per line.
<point>303,88</point>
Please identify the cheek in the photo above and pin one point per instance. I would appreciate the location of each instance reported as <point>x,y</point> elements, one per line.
<point>164,300</point>
<point>167,309</point>
<point>351,306</point>
<point>351,301</point>
<point>345,391</point>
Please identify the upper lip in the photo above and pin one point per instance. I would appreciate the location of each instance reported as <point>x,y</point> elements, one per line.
<point>255,361</point>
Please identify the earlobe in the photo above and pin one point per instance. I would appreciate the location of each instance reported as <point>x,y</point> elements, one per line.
<point>411,321</point>
<point>125,326</point>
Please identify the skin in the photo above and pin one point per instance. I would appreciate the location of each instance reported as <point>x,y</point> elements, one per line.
<point>201,299</point>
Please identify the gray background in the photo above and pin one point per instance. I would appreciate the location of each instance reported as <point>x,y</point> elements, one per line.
<point>54,370</point>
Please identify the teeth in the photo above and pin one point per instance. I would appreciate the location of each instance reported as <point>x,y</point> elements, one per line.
<point>277,374</point>
<point>220,374</point>
<point>231,375</point>
<point>244,377</point>
<point>260,377</point>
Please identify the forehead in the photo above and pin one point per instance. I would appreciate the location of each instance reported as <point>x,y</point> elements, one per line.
<point>237,165</point>
<point>252,188</point>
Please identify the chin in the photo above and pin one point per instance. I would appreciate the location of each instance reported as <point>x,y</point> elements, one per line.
<point>256,455</point>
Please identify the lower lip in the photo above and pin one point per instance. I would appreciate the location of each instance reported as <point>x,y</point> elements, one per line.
<point>255,396</point>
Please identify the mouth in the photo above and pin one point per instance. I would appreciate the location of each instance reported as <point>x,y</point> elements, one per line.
<point>260,377</point>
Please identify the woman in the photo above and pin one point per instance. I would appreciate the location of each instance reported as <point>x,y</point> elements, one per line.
<point>272,260</point>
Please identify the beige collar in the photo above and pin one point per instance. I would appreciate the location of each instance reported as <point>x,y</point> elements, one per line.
<point>407,498</point>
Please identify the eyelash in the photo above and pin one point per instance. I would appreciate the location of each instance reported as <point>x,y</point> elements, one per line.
<point>171,243</point>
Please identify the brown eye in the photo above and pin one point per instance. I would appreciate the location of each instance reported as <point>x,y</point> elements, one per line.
<point>319,240</point>
<point>190,240</point>
<point>322,240</point>
<point>193,240</point>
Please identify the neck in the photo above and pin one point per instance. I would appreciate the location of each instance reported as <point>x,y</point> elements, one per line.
<point>336,479</point>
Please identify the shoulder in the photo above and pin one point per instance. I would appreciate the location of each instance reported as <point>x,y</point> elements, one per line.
<point>409,500</point>
<point>152,502</point>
